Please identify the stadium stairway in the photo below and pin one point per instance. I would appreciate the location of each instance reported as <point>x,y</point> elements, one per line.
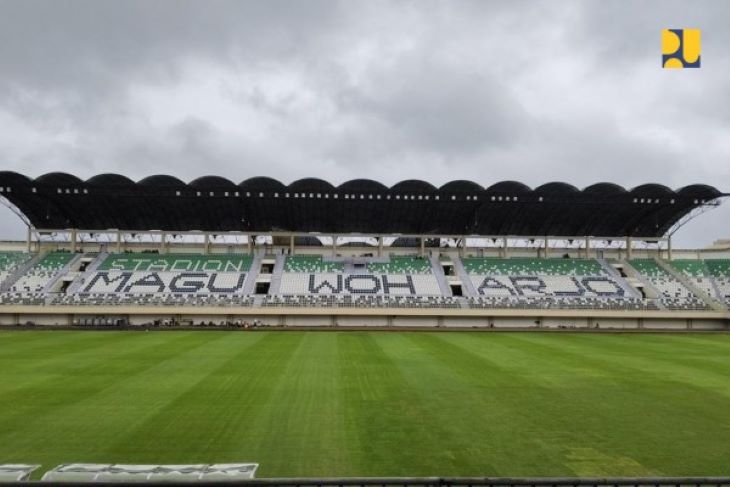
<point>632,272</point>
<point>97,262</point>
<point>467,286</point>
<point>718,292</point>
<point>250,285</point>
<point>20,272</point>
<point>711,301</point>
<point>625,285</point>
<point>90,269</point>
<point>438,273</point>
<point>48,288</point>
<point>275,284</point>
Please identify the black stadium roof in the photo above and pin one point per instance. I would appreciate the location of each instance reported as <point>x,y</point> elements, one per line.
<point>412,207</point>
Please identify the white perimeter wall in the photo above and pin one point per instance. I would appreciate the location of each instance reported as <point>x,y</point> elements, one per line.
<point>506,322</point>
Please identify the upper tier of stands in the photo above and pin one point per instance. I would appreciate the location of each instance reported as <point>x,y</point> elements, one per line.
<point>649,268</point>
<point>311,264</point>
<point>533,267</point>
<point>177,262</point>
<point>315,264</point>
<point>401,265</point>
<point>703,268</point>
<point>10,261</point>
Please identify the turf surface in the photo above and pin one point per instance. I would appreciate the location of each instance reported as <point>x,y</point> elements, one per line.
<point>371,403</point>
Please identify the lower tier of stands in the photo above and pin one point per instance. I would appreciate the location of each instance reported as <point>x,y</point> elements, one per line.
<point>169,299</point>
<point>23,298</point>
<point>184,300</point>
<point>353,301</point>
<point>524,302</point>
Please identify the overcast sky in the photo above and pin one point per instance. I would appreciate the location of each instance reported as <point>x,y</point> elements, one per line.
<point>482,90</point>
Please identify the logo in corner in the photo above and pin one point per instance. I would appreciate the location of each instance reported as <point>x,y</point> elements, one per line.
<point>681,48</point>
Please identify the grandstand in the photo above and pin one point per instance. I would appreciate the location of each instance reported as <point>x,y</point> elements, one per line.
<point>361,254</point>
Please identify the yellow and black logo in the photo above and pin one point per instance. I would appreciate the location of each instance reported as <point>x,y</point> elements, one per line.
<point>681,48</point>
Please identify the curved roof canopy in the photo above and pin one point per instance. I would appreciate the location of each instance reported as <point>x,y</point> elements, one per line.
<point>261,204</point>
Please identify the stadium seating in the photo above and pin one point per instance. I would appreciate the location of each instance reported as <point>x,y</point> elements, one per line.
<point>673,294</point>
<point>402,275</point>
<point>162,282</point>
<point>23,298</point>
<point>401,265</point>
<point>511,302</point>
<point>151,299</point>
<point>42,272</point>
<point>396,284</point>
<point>310,264</point>
<point>177,262</point>
<point>144,273</point>
<point>711,276</point>
<point>10,261</point>
<point>548,283</point>
<point>533,267</point>
<point>718,267</point>
<point>359,301</point>
<point>403,281</point>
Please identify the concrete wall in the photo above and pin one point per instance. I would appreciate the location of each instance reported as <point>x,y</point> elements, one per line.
<point>307,321</point>
<point>616,323</point>
<point>376,321</point>
<point>653,324</point>
<point>346,321</point>
<point>416,321</point>
<point>565,323</point>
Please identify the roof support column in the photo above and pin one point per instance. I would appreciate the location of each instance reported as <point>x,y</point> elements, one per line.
<point>73,240</point>
<point>163,243</point>
<point>462,246</point>
<point>119,242</point>
<point>380,246</point>
<point>423,246</point>
<point>588,247</point>
<point>249,244</point>
<point>505,247</point>
<point>334,245</point>
<point>28,238</point>
<point>628,247</point>
<point>206,244</point>
<point>291,245</point>
<point>669,247</point>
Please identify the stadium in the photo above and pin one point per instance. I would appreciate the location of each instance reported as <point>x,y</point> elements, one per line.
<point>412,243</point>
<point>363,332</point>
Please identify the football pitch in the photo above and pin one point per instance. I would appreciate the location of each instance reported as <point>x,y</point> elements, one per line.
<point>371,403</point>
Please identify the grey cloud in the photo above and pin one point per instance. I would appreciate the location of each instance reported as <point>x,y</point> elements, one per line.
<point>389,90</point>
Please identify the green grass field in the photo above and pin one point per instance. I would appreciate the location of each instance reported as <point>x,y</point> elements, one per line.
<point>371,403</point>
